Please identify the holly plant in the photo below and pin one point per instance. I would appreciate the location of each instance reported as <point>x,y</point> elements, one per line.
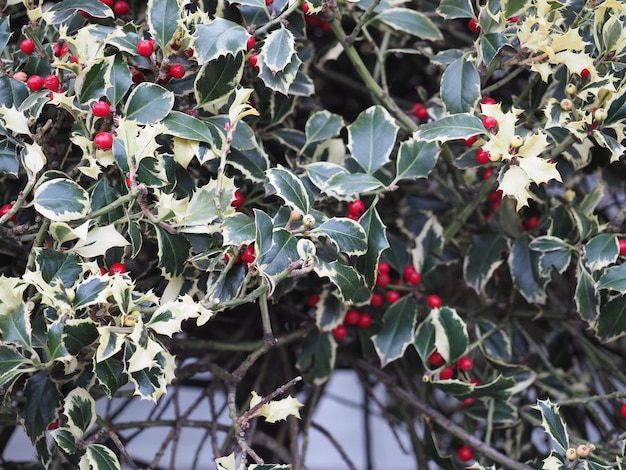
<point>243,198</point>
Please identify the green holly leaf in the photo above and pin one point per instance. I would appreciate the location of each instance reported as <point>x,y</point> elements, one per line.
<point>12,364</point>
<point>162,20</point>
<point>416,159</point>
<point>64,440</point>
<point>55,266</point>
<point>424,340</point>
<point>12,92</point>
<point>9,162</point>
<point>282,80</point>
<point>552,422</point>
<point>377,242</point>
<point>61,200</point>
<point>490,45</point>
<point>90,83</point>
<point>119,77</point>
<point>218,38</point>
<point>346,235</point>
<point>92,291</point>
<point>346,185</point>
<point>290,189</point>
<point>40,398</point>
<point>188,127</point>
<point>148,103</point>
<point>317,357</point>
<point>457,126</point>
<point>611,321</point>
<point>411,22</point>
<point>5,35</point>
<point>460,86</point>
<point>397,332</point>
<point>64,11</point>
<point>482,260</point>
<point>111,373</point>
<point>601,251</point>
<point>218,78</point>
<point>497,344</point>
<point>496,411</point>
<point>371,138</point>
<point>524,267</point>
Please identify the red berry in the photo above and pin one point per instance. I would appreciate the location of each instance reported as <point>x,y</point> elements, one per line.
<point>51,82</point>
<point>177,71</point>
<point>34,83</point>
<point>488,100</point>
<point>129,182</point>
<point>356,208</point>
<point>268,2</point>
<point>622,247</point>
<point>624,410</point>
<point>434,301</point>
<point>436,359</point>
<point>513,19</point>
<point>248,255</point>
<point>311,20</point>
<point>446,373</point>
<point>482,156</point>
<point>383,280</point>
<point>253,60</point>
<point>145,47</point>
<point>108,3</point>
<point>584,73</point>
<point>4,210</point>
<point>408,270</point>
<point>340,332</point>
<point>250,43</point>
<point>101,109</point>
<point>490,123</point>
<point>102,270</point>
<point>305,7</point>
<point>53,425</point>
<point>393,296</point>
<point>472,24</point>
<point>465,364</point>
<point>312,300</point>
<point>468,401</point>
<point>495,196</point>
<point>352,317</point>
<point>239,199</point>
<point>532,222</point>
<point>117,268</point>
<point>487,173</point>
<point>470,141</point>
<point>376,300</point>
<point>103,140</point>
<point>383,267</point>
<point>466,453</point>
<point>414,278</point>
<point>56,49</point>
<point>365,320</point>
<point>121,7</point>
<point>323,25</point>
<point>27,46</point>
<point>475,381</point>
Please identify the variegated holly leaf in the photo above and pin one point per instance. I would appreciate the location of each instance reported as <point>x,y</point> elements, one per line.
<point>41,394</point>
<point>371,138</point>
<point>346,185</point>
<point>601,251</point>
<point>173,252</point>
<point>276,410</point>
<point>218,78</point>
<point>98,241</point>
<point>80,409</point>
<point>452,9</point>
<point>586,296</point>
<point>15,327</point>
<point>397,332</point>
<point>322,125</point>
<point>218,38</point>
<point>238,229</point>
<point>377,242</point>
<point>148,103</point>
<point>460,86</point>
<point>416,159</point>
<point>61,200</point>
<point>553,423</point>
<point>451,338</point>
<point>12,363</point>
<point>611,321</point>
<point>346,235</point>
<point>282,80</point>
<point>457,126</point>
<point>278,49</point>
<point>162,16</point>
<point>290,189</point>
<point>411,22</point>
<point>524,267</point>
<point>317,356</point>
<point>64,11</point>
<point>428,244</point>
<point>99,457</point>
<point>482,259</point>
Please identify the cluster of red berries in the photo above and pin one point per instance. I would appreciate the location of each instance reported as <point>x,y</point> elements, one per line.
<point>410,276</point>
<point>353,318</point>
<point>464,364</point>
<point>239,199</point>
<point>247,256</point>
<point>420,111</point>
<point>314,21</point>
<point>356,209</point>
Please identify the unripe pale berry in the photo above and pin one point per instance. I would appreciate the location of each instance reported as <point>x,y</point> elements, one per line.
<point>495,156</point>
<point>570,454</point>
<point>569,195</point>
<point>517,141</point>
<point>566,104</point>
<point>308,221</point>
<point>21,76</point>
<point>600,115</point>
<point>583,451</point>
<point>570,89</point>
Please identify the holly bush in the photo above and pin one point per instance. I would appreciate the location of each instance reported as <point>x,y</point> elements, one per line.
<point>243,197</point>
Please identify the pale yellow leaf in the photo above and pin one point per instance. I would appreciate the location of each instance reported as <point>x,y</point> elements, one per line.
<point>98,241</point>
<point>276,410</point>
<point>185,150</point>
<point>514,183</point>
<point>12,289</point>
<point>14,120</point>
<point>534,145</point>
<point>227,462</point>
<point>33,159</point>
<point>539,170</point>
<point>144,357</point>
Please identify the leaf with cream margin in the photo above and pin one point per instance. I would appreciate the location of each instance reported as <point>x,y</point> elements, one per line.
<point>514,183</point>
<point>539,170</point>
<point>144,357</point>
<point>139,140</point>
<point>276,410</point>
<point>33,159</point>
<point>240,106</point>
<point>227,462</point>
<point>12,289</point>
<point>14,120</point>
<point>167,319</point>
<point>98,241</point>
